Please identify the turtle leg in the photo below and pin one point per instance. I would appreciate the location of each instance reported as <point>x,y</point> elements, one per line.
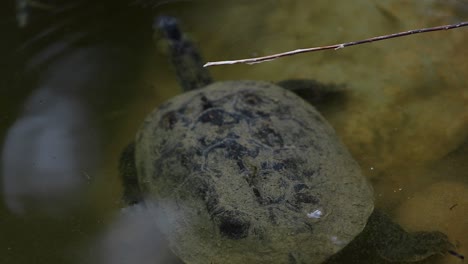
<point>394,244</point>
<point>128,175</point>
<point>317,94</point>
<point>383,242</point>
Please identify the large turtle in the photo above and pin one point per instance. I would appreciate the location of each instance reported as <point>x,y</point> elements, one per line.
<point>249,172</point>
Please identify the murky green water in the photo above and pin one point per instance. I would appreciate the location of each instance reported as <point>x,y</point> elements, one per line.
<point>74,98</point>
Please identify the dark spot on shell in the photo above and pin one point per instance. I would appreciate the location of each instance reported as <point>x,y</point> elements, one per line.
<point>248,106</point>
<point>211,202</point>
<point>231,225</point>
<point>251,99</point>
<point>263,114</point>
<point>272,216</point>
<point>214,117</point>
<point>309,226</point>
<point>256,192</point>
<point>206,104</point>
<point>206,193</point>
<point>278,166</point>
<point>305,198</point>
<point>168,120</point>
<point>290,164</point>
<point>217,117</point>
<point>276,200</point>
<point>241,165</point>
<point>300,186</point>
<point>202,141</point>
<point>282,183</point>
<point>234,149</point>
<point>185,160</point>
<point>246,113</point>
<point>269,136</point>
<point>287,164</point>
<point>309,173</point>
<point>292,206</point>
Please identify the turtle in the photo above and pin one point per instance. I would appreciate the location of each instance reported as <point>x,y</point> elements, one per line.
<point>248,171</point>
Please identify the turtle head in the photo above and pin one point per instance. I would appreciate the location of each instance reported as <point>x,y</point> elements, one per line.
<point>169,26</point>
<point>184,55</point>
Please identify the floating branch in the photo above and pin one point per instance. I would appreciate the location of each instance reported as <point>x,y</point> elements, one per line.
<point>336,46</point>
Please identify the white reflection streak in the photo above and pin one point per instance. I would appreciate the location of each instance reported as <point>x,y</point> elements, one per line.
<point>134,238</point>
<point>52,147</point>
<point>46,152</point>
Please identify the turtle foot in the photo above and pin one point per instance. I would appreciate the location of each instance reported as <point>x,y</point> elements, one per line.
<point>394,244</point>
<point>412,247</point>
<point>317,94</point>
<point>128,175</point>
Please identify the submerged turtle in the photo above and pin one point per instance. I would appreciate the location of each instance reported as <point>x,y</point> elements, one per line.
<point>249,172</point>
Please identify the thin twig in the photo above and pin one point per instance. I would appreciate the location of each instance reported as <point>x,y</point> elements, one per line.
<point>336,46</point>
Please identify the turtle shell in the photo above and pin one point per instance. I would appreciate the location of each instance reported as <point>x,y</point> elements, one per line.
<point>248,172</point>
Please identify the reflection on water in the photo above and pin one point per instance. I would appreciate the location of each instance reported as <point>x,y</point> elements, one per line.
<point>47,152</point>
<point>133,238</point>
<point>90,73</point>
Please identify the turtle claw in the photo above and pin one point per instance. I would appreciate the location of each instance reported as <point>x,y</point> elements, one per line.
<point>456,254</point>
